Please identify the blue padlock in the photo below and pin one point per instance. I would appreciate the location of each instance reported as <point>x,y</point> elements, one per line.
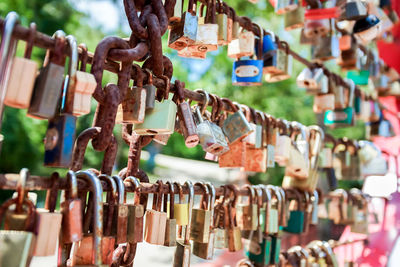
<point>60,135</point>
<point>269,45</point>
<point>247,72</point>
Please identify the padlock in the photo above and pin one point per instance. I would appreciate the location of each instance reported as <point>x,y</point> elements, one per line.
<point>323,102</point>
<point>120,221</point>
<point>22,76</point>
<point>294,19</point>
<point>17,241</point>
<point>60,135</point>
<point>275,208</point>
<point>91,250</point>
<point>183,248</point>
<point>259,251</point>
<point>48,85</point>
<point>256,159</point>
<point>234,234</point>
<point>201,218</point>
<point>298,164</point>
<point>314,215</point>
<point>367,29</point>
<point>353,10</point>
<point>316,28</point>
<point>133,107</point>
<point>207,32</point>
<point>212,138</point>
<point>20,219</point>
<point>345,42</point>
<point>284,65</point>
<point>109,213</point>
<point>222,21</point>
<point>170,228</point>
<point>156,220</point>
<point>269,45</point>
<point>326,49</point>
<point>221,234</point>
<point>308,211</point>
<point>150,90</point>
<point>176,12</point>
<point>206,250</point>
<point>249,72</point>
<point>84,86</point>
<point>48,226</point>
<point>71,210</point>
<point>295,223</point>
<point>312,79</point>
<point>181,209</point>
<point>284,6</point>
<point>186,121</point>
<point>246,214</point>
<point>242,46</point>
<point>359,77</point>
<point>161,119</point>
<point>283,145</point>
<point>236,126</point>
<point>278,63</point>
<point>184,32</point>
<point>235,157</point>
<point>342,117</point>
<point>135,213</point>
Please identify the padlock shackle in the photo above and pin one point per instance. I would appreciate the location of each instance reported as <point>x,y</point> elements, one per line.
<point>136,183</point>
<point>30,221</point>
<point>120,188</point>
<point>171,200</point>
<point>97,191</point>
<point>21,194</point>
<point>30,41</point>
<point>72,191</point>
<point>204,201</point>
<point>211,189</point>
<point>274,190</point>
<point>157,197</point>
<point>190,207</point>
<point>206,100</point>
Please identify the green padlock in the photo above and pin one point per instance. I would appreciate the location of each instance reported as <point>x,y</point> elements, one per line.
<point>276,246</point>
<point>296,218</point>
<point>358,77</point>
<point>259,252</point>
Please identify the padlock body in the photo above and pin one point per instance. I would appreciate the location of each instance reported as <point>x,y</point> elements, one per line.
<point>155,227</point>
<point>170,233</point>
<point>181,213</point>
<point>150,95</point>
<point>246,216</point>
<point>294,19</point>
<point>259,252</point>
<point>16,248</point>
<point>256,159</point>
<point>71,210</point>
<point>184,32</point>
<point>134,105</point>
<point>236,127</point>
<point>221,238</point>
<point>120,224</point>
<point>47,92</point>
<point>205,250</point>
<point>59,141</point>
<point>211,138</point>
<point>20,83</point>
<point>83,251</point>
<point>282,151</point>
<point>200,225</point>
<point>48,225</point>
<point>206,38</point>
<point>341,117</point>
<point>15,221</point>
<point>84,87</point>
<point>135,223</point>
<point>235,157</point>
<point>160,120</point>
<point>247,72</point>
<point>296,222</point>
<point>242,46</point>
<point>182,255</point>
<point>234,239</point>
<point>187,125</point>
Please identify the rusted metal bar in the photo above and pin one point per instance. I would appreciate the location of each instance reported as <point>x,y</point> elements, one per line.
<point>9,182</point>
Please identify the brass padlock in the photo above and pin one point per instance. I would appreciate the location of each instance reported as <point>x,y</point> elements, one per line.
<point>184,32</point>
<point>91,250</point>
<point>234,233</point>
<point>48,86</point>
<point>222,21</point>
<point>84,86</point>
<point>133,107</point>
<point>170,228</point>
<point>323,102</point>
<point>71,210</point>
<point>22,76</point>
<point>294,19</point>
<point>275,209</point>
<point>20,219</point>
<point>246,214</point>
<point>135,213</point>
<point>201,218</point>
<point>156,220</point>
<point>183,249</point>
<point>283,144</point>
<point>181,209</point>
<point>206,250</point>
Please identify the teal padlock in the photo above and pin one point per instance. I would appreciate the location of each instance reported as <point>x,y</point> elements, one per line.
<point>259,253</point>
<point>295,223</point>
<point>276,246</point>
<point>358,77</point>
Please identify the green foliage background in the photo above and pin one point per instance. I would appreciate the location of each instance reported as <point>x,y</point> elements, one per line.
<point>23,145</point>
